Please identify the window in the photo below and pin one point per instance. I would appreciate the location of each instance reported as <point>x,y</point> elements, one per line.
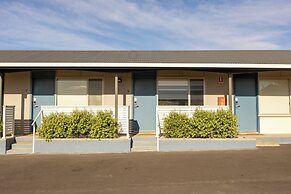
<point>72,87</point>
<point>274,96</point>
<point>79,92</point>
<point>173,92</point>
<point>180,92</point>
<point>95,92</point>
<point>197,92</point>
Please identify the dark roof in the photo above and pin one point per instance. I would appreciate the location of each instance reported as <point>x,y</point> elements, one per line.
<point>215,56</point>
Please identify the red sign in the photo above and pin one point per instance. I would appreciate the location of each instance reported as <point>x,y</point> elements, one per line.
<point>221,101</point>
<point>220,80</point>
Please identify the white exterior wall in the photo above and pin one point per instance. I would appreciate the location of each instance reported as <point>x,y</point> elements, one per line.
<point>17,93</point>
<point>274,123</point>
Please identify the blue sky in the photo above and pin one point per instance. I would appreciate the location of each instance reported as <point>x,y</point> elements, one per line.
<point>145,25</point>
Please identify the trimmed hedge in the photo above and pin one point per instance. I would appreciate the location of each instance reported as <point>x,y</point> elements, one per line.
<point>79,124</point>
<point>177,125</point>
<point>104,126</point>
<point>203,124</point>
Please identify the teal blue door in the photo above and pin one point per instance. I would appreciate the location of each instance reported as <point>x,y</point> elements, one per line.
<point>43,93</point>
<point>144,111</point>
<point>245,101</point>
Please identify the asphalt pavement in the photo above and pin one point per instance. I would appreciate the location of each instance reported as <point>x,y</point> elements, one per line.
<point>264,170</point>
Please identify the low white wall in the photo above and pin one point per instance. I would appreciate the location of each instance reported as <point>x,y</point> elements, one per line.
<point>196,144</point>
<point>275,124</point>
<point>85,146</point>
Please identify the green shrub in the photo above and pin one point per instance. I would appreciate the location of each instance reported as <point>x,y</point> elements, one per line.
<point>176,125</point>
<point>225,124</point>
<point>55,125</point>
<point>79,124</point>
<point>104,126</point>
<point>203,124</point>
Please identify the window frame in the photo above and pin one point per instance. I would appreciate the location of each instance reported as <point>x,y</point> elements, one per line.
<point>189,91</point>
<point>80,78</point>
<point>188,79</point>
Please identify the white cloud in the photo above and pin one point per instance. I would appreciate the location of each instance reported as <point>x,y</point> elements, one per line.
<point>120,24</point>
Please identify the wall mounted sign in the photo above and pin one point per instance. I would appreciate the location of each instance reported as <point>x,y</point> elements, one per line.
<point>220,80</point>
<point>221,101</point>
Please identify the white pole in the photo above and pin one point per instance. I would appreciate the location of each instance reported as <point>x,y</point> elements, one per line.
<point>158,144</point>
<point>13,122</point>
<point>116,96</point>
<point>127,132</point>
<point>33,138</point>
<point>4,123</point>
<point>157,122</point>
<point>230,91</point>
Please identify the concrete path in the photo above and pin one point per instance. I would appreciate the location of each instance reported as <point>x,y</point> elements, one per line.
<point>263,140</point>
<point>264,170</point>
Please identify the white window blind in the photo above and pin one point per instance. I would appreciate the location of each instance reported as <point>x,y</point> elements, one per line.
<point>178,91</point>
<point>79,92</point>
<point>274,96</point>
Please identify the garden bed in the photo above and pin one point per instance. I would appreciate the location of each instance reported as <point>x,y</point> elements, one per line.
<point>80,132</point>
<point>192,144</point>
<point>82,145</point>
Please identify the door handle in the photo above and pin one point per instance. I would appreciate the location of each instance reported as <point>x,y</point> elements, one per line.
<point>135,103</point>
<point>34,103</point>
<point>236,103</point>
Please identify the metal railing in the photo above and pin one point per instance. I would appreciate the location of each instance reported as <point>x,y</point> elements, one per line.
<point>33,124</point>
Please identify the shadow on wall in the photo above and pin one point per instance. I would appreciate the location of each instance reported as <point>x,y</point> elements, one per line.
<point>216,84</point>
<point>124,86</point>
<point>17,90</point>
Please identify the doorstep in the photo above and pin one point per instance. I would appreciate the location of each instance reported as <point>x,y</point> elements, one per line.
<point>145,133</point>
<point>266,143</point>
<point>143,143</point>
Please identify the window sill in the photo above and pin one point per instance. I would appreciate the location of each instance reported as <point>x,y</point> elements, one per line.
<point>275,115</point>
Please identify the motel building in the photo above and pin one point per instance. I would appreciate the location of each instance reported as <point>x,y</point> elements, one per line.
<point>141,87</point>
